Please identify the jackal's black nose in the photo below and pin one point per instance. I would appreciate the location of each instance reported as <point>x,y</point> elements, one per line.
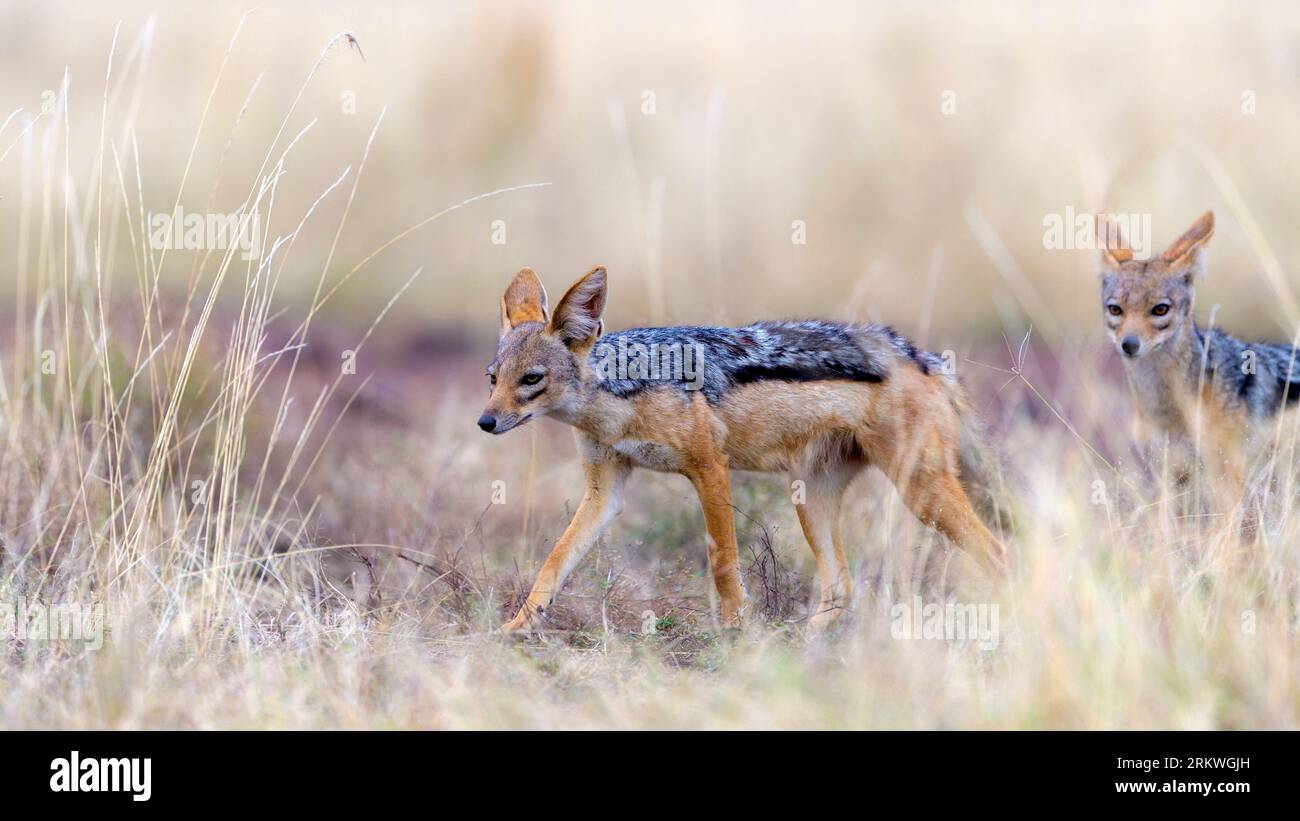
<point>1129,346</point>
<point>487,422</point>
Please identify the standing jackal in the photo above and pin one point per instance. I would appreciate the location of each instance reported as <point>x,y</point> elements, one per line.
<point>1206,398</point>
<point>818,401</point>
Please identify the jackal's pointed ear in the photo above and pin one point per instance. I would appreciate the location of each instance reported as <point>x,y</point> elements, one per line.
<point>1187,254</point>
<point>524,301</point>
<point>577,317</point>
<point>1115,250</point>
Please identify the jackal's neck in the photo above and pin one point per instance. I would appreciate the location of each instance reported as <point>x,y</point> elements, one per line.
<point>1165,377</point>
<point>592,410</point>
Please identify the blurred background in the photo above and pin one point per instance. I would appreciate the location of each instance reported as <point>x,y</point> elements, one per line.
<point>917,148</point>
<point>187,436</point>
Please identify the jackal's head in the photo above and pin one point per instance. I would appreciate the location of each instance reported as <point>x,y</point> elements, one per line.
<point>1148,303</point>
<point>538,366</point>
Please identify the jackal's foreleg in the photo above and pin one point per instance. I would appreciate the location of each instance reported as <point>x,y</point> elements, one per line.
<point>713,485</point>
<point>606,475</point>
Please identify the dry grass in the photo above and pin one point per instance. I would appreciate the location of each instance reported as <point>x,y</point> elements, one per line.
<point>340,562</point>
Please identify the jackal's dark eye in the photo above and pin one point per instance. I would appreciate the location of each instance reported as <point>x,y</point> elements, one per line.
<point>531,379</point>
<point>1115,310</point>
<point>1161,309</point>
<point>492,379</point>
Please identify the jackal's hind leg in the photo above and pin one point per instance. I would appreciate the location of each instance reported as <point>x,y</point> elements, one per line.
<point>819,516</point>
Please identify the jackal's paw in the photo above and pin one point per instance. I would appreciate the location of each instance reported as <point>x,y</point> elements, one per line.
<point>825,620</point>
<point>515,627</point>
<point>734,615</point>
<point>524,622</point>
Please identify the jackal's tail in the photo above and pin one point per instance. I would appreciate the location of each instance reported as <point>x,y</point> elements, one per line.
<point>984,472</point>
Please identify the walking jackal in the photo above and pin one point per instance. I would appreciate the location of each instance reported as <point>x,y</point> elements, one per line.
<point>818,401</point>
<point>1206,399</point>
